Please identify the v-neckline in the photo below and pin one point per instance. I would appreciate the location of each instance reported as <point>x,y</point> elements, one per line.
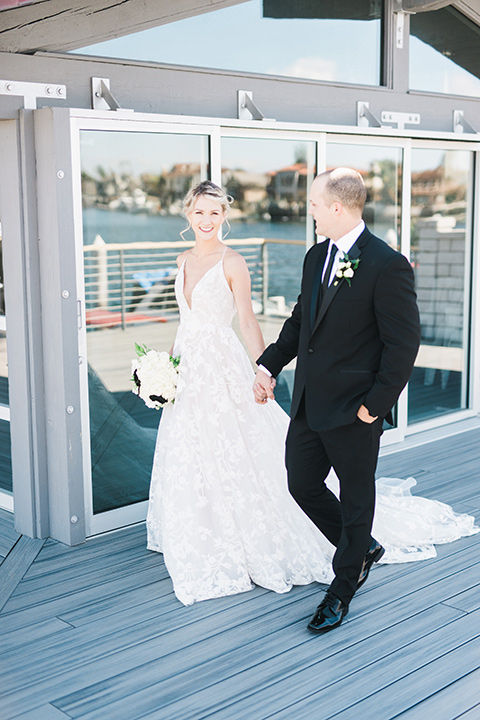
<point>198,281</point>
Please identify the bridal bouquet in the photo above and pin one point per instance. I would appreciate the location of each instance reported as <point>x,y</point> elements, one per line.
<point>155,376</point>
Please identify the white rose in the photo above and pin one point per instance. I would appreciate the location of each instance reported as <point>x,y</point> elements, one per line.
<point>348,273</point>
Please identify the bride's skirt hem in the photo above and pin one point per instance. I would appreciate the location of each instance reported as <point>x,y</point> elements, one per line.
<point>154,549</point>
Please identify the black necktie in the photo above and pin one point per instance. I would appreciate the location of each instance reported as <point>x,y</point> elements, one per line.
<point>328,271</point>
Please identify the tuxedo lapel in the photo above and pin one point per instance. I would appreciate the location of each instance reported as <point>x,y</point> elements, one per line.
<point>317,281</point>
<point>354,253</point>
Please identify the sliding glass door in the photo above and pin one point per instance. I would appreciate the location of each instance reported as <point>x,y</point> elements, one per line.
<point>133,177</point>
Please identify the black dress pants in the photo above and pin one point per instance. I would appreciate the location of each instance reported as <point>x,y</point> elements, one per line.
<point>352,450</point>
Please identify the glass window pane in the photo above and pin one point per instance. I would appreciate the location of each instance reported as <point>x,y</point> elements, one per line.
<point>4,400</point>
<point>440,252</point>
<point>2,295</point>
<point>133,185</point>
<point>305,39</point>
<point>381,169</point>
<point>270,180</point>
<point>3,337</point>
<point>5,457</point>
<point>5,446</point>
<point>444,53</point>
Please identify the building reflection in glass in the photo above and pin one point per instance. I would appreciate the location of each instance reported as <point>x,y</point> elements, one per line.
<point>440,243</point>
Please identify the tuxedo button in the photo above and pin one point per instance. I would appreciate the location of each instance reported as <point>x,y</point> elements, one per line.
<point>310,350</point>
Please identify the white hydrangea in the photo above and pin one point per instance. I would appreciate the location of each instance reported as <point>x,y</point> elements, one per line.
<point>157,374</point>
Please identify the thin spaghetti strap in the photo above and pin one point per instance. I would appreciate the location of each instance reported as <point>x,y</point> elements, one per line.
<point>226,248</point>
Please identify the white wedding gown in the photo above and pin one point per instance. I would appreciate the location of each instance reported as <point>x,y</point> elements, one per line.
<point>219,509</point>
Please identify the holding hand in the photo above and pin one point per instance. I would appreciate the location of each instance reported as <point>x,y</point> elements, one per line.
<point>263,387</point>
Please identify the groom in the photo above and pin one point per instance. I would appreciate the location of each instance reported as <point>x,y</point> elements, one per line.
<point>355,333</point>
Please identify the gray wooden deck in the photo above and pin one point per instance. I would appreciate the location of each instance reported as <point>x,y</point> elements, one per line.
<point>94,632</point>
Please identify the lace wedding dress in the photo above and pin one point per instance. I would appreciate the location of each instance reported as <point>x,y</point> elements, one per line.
<point>220,510</point>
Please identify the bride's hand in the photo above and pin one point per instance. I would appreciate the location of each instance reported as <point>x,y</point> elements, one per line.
<point>263,388</point>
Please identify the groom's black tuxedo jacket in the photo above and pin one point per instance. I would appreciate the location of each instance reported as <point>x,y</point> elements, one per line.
<point>360,346</point>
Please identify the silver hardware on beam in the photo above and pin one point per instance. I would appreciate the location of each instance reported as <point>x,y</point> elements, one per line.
<point>399,29</point>
<point>246,108</point>
<point>365,118</point>
<point>31,91</point>
<point>400,119</point>
<point>102,98</point>
<point>461,125</point>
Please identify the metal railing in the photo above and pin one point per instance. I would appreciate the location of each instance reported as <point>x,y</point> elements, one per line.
<point>130,283</point>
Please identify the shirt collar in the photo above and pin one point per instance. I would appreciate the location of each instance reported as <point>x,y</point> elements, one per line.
<point>345,243</point>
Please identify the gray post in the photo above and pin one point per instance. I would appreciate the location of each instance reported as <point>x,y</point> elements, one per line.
<point>63,400</point>
<point>102,271</point>
<point>24,325</point>
<point>122,287</point>
<point>265,276</point>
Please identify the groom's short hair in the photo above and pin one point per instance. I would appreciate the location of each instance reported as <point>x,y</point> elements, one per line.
<point>346,186</point>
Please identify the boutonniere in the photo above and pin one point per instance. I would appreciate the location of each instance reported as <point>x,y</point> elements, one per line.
<point>346,269</point>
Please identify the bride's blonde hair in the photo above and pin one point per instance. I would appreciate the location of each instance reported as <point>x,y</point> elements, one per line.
<point>209,189</point>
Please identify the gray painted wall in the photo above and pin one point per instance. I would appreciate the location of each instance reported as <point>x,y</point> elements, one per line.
<point>147,87</point>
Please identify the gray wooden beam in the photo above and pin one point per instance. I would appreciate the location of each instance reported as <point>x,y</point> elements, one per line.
<point>423,5</point>
<point>58,25</point>
<point>22,296</point>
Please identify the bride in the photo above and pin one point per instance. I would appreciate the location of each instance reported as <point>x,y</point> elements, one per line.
<point>220,510</point>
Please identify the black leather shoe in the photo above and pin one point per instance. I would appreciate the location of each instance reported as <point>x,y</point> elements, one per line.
<point>328,615</point>
<point>374,554</point>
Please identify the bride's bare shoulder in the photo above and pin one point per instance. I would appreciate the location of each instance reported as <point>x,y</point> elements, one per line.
<point>181,258</point>
<point>234,259</point>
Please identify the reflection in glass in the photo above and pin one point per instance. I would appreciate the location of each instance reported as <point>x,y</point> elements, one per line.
<point>5,457</point>
<point>3,369</point>
<point>316,40</point>
<point>132,190</point>
<point>381,169</point>
<point>440,252</point>
<point>2,294</point>
<point>444,54</point>
<point>270,180</point>
<point>5,446</point>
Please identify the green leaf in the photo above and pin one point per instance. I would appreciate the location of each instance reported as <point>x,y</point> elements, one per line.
<point>141,349</point>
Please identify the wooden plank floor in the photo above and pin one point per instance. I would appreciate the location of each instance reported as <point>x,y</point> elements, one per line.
<point>95,632</point>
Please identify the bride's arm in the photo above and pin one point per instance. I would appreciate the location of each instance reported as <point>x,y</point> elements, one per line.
<point>238,277</point>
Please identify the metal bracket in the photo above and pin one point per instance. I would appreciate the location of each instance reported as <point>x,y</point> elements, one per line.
<point>365,118</point>
<point>246,108</point>
<point>400,119</point>
<point>102,98</point>
<point>31,91</point>
<point>461,125</point>
<point>399,30</point>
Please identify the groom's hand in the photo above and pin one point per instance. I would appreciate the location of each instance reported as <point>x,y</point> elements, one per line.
<point>263,387</point>
<point>365,416</point>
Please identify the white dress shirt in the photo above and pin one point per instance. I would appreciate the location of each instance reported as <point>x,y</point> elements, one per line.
<point>344,245</point>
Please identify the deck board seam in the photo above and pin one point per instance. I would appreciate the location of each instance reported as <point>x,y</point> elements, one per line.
<point>16,564</point>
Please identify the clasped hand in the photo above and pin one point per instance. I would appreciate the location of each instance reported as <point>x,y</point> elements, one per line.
<point>263,387</point>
